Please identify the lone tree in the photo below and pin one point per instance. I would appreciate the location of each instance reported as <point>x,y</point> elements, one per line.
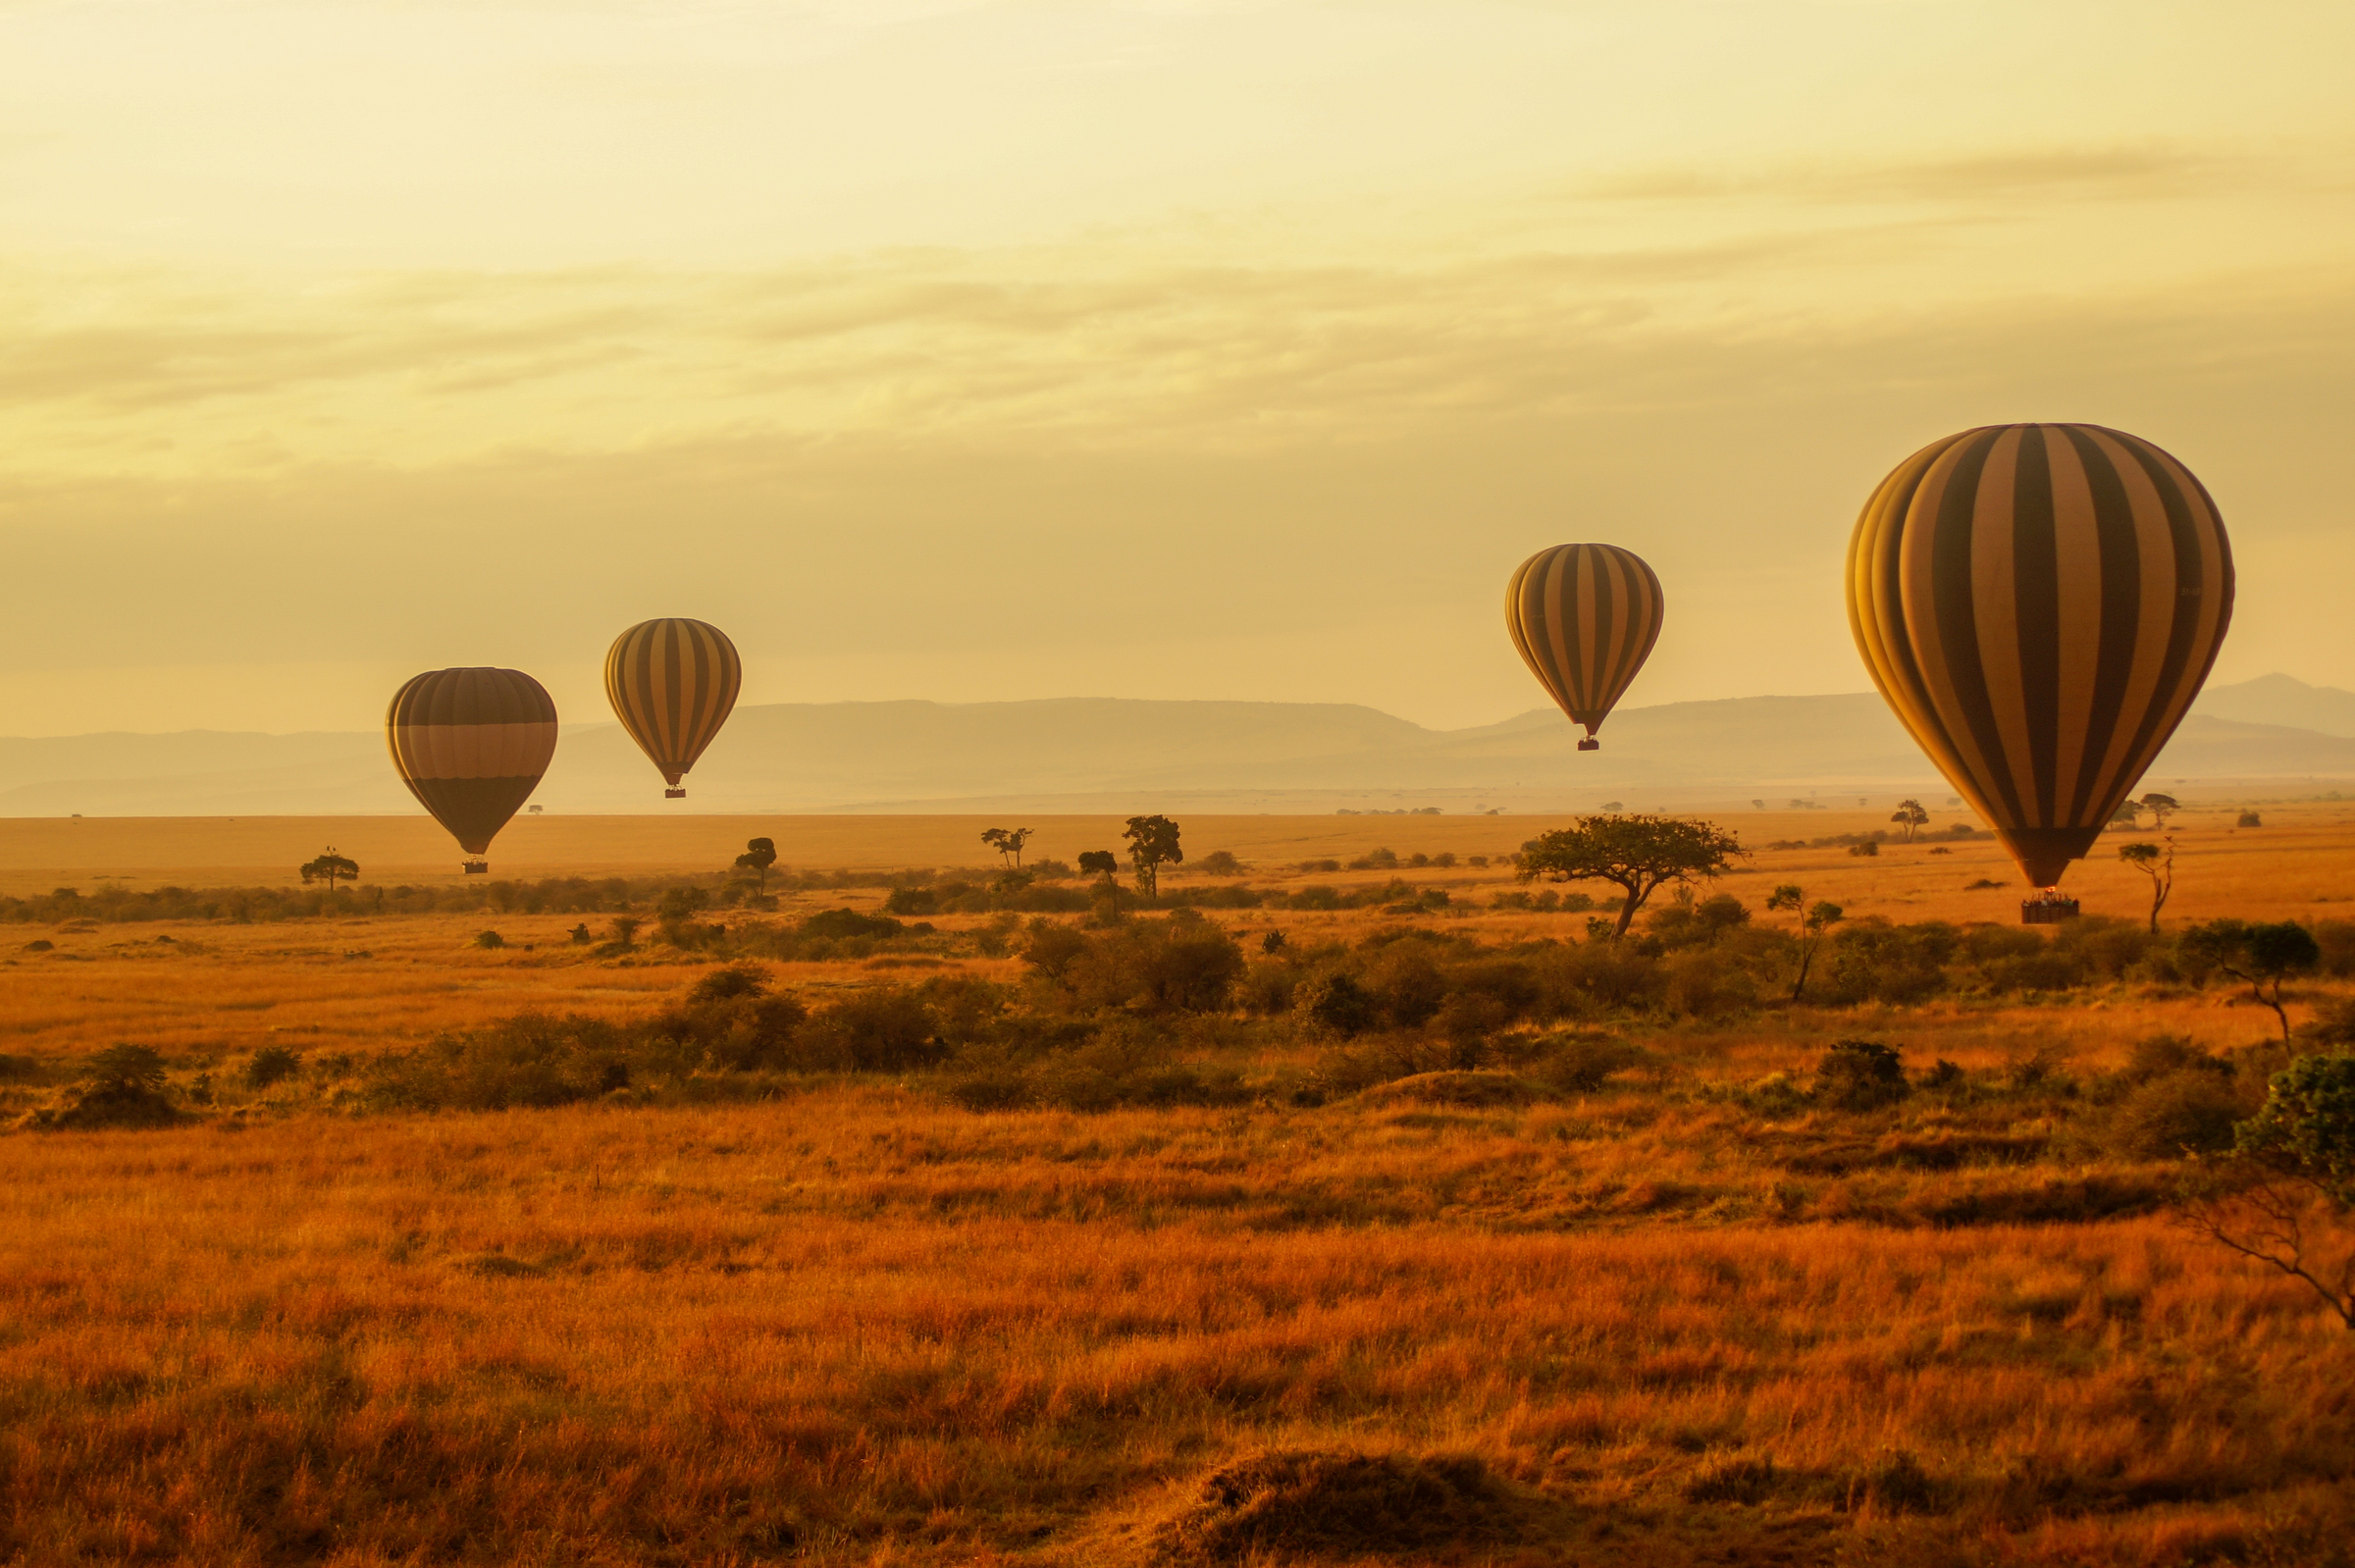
<point>758,857</point>
<point>1152,845</point>
<point>1106,865</point>
<point>2283,1197</point>
<point>2157,864</point>
<point>1636,853</point>
<point>1008,841</point>
<point>1910,816</point>
<point>330,868</point>
<point>1814,919</point>
<point>2159,806</point>
<point>2258,955</point>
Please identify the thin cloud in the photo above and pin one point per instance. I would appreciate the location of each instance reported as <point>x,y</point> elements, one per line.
<point>2134,172</point>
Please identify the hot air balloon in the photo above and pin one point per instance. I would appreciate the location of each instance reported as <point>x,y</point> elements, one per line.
<point>672,683</point>
<point>2039,604</point>
<point>1585,617</point>
<point>471,745</point>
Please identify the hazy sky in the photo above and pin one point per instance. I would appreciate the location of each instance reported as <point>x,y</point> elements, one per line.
<point>1001,349</point>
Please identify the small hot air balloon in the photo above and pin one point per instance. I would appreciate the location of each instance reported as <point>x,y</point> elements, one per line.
<point>672,683</point>
<point>1585,617</point>
<point>471,745</point>
<point>2039,604</point>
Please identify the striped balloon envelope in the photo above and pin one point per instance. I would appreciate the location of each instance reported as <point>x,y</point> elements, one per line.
<point>672,683</point>
<point>1585,617</point>
<point>2040,603</point>
<point>471,745</point>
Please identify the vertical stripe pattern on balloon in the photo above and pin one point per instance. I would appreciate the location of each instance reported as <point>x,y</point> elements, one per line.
<point>2040,605</point>
<point>672,683</point>
<point>1584,618</point>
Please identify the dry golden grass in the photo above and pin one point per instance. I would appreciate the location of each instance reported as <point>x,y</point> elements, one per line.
<point>867,1329</point>
<point>861,1325</point>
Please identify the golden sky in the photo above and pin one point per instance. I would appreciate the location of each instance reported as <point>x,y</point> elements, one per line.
<point>1001,349</point>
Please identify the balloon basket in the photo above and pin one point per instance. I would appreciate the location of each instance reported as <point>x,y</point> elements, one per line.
<point>2047,909</point>
<point>1590,744</point>
<point>476,868</point>
<point>675,795</point>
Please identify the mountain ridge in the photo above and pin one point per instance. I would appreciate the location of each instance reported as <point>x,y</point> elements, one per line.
<point>910,753</point>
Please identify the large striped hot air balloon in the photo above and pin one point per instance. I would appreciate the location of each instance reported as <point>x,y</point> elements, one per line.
<point>672,683</point>
<point>471,745</point>
<point>2040,603</point>
<point>1585,617</point>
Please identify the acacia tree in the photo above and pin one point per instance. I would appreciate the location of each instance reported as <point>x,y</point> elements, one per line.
<point>2258,955</point>
<point>1637,854</point>
<point>758,855</point>
<point>1813,920</point>
<point>1008,841</point>
<point>330,866</point>
<point>2159,865</point>
<point>1152,845</point>
<point>1910,816</point>
<point>2283,1197</point>
<point>1106,865</point>
<point>2159,806</point>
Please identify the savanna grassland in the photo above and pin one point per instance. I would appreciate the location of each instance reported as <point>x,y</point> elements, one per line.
<point>985,1224</point>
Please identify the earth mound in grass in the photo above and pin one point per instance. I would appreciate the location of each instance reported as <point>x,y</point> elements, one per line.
<point>1465,1089</point>
<point>1336,1503</point>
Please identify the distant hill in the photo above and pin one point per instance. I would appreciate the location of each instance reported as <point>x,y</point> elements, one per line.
<point>1107,752</point>
<point>2282,699</point>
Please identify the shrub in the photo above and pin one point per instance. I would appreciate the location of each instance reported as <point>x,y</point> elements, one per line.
<point>1219,863</point>
<point>1860,1075</point>
<point>846,922</point>
<point>1872,960</point>
<point>1376,861</point>
<point>2249,819</point>
<point>125,1090</point>
<point>272,1064</point>
<point>1334,1004</point>
<point>1314,898</point>
<point>2188,1111</point>
<point>729,983</point>
<point>1050,947</point>
<point>1405,981</point>
<point>1182,965</point>
<point>1583,1063</point>
<point>911,901</point>
<point>489,939</point>
<point>888,1029</point>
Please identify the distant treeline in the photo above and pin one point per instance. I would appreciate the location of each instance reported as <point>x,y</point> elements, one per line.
<point>911,892</point>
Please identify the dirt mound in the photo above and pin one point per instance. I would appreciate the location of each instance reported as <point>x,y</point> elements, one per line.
<point>1454,1088</point>
<point>1336,1503</point>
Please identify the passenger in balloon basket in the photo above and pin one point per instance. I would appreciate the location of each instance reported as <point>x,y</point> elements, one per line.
<point>2047,908</point>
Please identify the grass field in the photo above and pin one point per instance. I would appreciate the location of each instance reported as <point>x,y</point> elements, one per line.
<point>1685,1316</point>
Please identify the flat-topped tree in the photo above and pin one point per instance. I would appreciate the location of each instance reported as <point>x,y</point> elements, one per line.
<point>1636,853</point>
<point>330,868</point>
<point>1910,816</point>
<point>758,855</point>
